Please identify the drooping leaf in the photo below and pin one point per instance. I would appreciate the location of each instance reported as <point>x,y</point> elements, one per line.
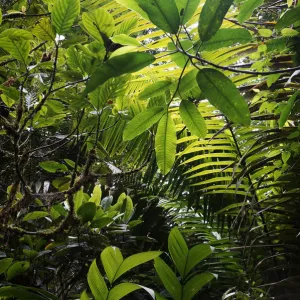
<point>194,285</point>
<point>163,13</point>
<point>16,269</point>
<point>124,39</point>
<point>168,278</point>
<point>186,9</point>
<point>136,260</point>
<point>196,255</point>
<point>117,66</point>
<point>4,264</point>
<point>112,259</point>
<point>223,94</point>
<point>35,215</point>
<point>211,17</point>
<point>143,121</point>
<point>247,9</point>
<point>289,18</point>
<point>63,14</point>
<point>122,289</point>
<point>96,282</point>
<point>287,109</point>
<point>226,37</point>
<point>18,49</point>
<point>99,24</point>
<point>87,211</point>
<point>44,30</point>
<point>53,166</point>
<point>193,119</point>
<point>165,143</point>
<point>155,89</point>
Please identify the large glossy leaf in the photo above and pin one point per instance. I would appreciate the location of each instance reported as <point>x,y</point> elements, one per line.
<point>211,17</point>
<point>188,84</point>
<point>64,13</point>
<point>96,282</point>
<point>112,259</point>
<point>165,143</point>
<point>121,290</point>
<point>155,89</point>
<point>226,37</point>
<point>194,285</point>
<point>117,66</point>
<point>289,18</point>
<point>168,278</point>
<point>223,94</point>
<point>18,49</point>
<point>16,269</point>
<point>178,250</point>
<point>196,255</point>
<point>247,9</point>
<point>44,30</point>
<point>136,260</point>
<point>186,9</point>
<point>99,24</point>
<point>192,118</point>
<point>163,13</point>
<point>143,121</point>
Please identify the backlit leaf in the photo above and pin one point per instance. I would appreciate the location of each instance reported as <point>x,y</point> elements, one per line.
<point>186,9</point>
<point>112,259</point>
<point>247,9</point>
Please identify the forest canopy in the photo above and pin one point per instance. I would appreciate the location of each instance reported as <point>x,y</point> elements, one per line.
<point>149,149</point>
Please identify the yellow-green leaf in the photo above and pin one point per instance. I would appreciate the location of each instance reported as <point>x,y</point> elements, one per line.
<point>44,30</point>
<point>165,143</point>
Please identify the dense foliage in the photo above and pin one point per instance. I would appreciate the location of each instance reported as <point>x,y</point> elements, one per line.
<point>149,149</point>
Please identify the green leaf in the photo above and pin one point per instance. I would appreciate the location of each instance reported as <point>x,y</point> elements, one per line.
<point>18,292</point>
<point>163,13</point>
<point>87,211</point>
<point>35,215</point>
<point>122,289</point>
<point>188,83</point>
<point>63,14</point>
<point>100,223</point>
<point>247,9</point>
<point>136,260</point>
<point>96,282</point>
<point>99,24</point>
<point>53,166</point>
<point>0,16</point>
<point>155,89</point>
<point>287,109</point>
<point>112,259</point>
<point>16,269</point>
<point>211,18</point>
<point>194,285</point>
<point>186,9</point>
<point>143,121</point>
<point>117,66</point>
<point>134,5</point>
<point>84,296</point>
<point>226,37</point>
<point>97,195</point>
<point>44,30</point>
<point>18,49</point>
<point>193,119</point>
<point>125,39</point>
<point>196,255</point>
<point>289,18</point>
<point>16,34</point>
<point>165,143</point>
<point>127,208</point>
<point>178,250</point>
<point>168,278</point>
<point>223,94</point>
<point>4,264</point>
<point>265,32</point>
<point>180,59</point>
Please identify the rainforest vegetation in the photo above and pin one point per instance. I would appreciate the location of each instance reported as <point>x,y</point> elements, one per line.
<point>149,149</point>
